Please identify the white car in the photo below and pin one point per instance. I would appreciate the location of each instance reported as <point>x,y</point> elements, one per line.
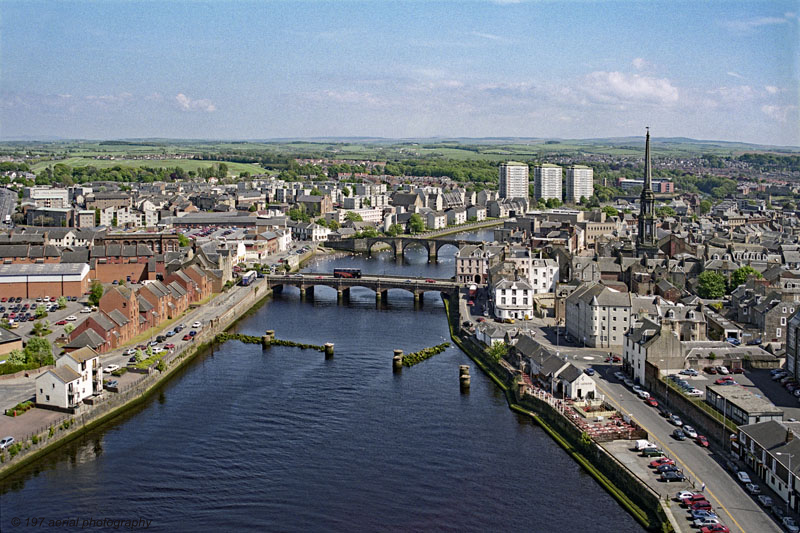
<point>158,349</point>
<point>86,310</point>
<point>704,522</point>
<point>790,525</point>
<point>197,325</point>
<point>681,494</point>
<point>690,432</point>
<point>619,375</point>
<point>628,382</point>
<point>110,368</point>
<point>743,477</point>
<point>643,394</point>
<point>694,392</point>
<point>71,318</point>
<point>130,351</point>
<point>766,501</point>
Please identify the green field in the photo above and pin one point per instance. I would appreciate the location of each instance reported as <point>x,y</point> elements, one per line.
<point>187,164</point>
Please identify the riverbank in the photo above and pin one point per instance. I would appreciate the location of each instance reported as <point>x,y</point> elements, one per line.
<point>112,405</point>
<point>633,495</point>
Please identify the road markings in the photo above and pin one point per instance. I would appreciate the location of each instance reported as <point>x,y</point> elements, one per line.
<point>673,454</point>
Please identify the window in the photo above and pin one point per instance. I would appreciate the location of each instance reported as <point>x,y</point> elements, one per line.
<point>48,397</point>
<point>778,332</point>
<point>783,321</point>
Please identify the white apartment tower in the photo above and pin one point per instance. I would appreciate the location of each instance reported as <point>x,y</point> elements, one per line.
<point>580,183</point>
<point>547,182</point>
<point>513,180</point>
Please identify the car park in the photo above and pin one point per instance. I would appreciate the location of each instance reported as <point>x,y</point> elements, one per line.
<point>743,477</point>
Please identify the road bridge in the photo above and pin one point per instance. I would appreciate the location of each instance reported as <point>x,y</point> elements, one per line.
<point>380,284</point>
<point>398,245</point>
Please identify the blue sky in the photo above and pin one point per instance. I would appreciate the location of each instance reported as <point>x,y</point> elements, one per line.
<point>257,70</point>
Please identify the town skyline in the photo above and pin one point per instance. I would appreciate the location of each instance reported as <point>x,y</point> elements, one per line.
<point>299,70</point>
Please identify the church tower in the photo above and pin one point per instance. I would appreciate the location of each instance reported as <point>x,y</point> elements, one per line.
<point>646,239</point>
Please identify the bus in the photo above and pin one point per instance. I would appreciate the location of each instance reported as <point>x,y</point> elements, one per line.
<point>346,272</point>
<point>248,277</point>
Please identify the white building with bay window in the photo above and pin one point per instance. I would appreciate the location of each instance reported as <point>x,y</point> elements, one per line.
<point>513,299</point>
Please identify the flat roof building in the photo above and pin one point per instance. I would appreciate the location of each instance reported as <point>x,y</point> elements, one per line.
<point>44,279</point>
<point>514,180</point>
<point>740,405</point>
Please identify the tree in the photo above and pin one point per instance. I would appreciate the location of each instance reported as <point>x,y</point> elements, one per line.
<point>41,311</point>
<point>322,222</point>
<point>316,192</point>
<point>711,285</point>
<point>394,230</point>
<point>40,328</point>
<point>149,351</point>
<point>38,350</point>
<point>95,292</point>
<point>16,357</point>
<point>69,328</point>
<point>252,208</point>
<point>353,217</point>
<point>333,225</point>
<point>61,302</point>
<point>705,207</point>
<point>665,211</point>
<point>346,191</point>
<point>740,275</point>
<point>610,211</point>
<point>416,223</point>
<point>552,203</point>
<point>497,351</point>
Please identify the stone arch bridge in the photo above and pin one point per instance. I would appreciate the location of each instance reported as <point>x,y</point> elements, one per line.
<point>397,244</point>
<point>378,283</point>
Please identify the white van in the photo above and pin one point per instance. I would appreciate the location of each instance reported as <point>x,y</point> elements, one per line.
<point>644,444</point>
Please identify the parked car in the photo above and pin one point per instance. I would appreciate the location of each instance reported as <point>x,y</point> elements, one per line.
<point>187,337</point>
<point>6,442</point>
<point>738,370</point>
<point>661,461</point>
<point>197,325</point>
<point>695,392</point>
<point>679,434</point>
<point>652,452</point>
<point>71,318</point>
<point>61,323</point>
<point>702,441</point>
<point>130,351</point>
<point>710,370</point>
<point>723,370</point>
<point>589,371</point>
<point>652,402</point>
<point>619,375</point>
<point>628,382</point>
<point>675,420</point>
<point>689,372</point>
<point>705,521</point>
<point>790,525</point>
<point>704,505</point>
<point>717,528</point>
<point>690,432</point>
<point>752,488</point>
<point>668,477</point>
<point>734,341</point>
<point>170,333</point>
<point>681,494</point>
<point>693,498</point>
<point>667,468</point>
<point>192,333</point>
<point>110,368</point>
<point>169,346</point>
<point>701,513</point>
<point>765,500</point>
<point>743,477</point>
<point>86,310</point>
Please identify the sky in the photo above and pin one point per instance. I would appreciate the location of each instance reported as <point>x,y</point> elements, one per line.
<point>715,70</point>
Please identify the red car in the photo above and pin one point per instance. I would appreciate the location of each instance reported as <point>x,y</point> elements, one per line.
<point>187,337</point>
<point>716,528</point>
<point>724,381</point>
<point>738,370</point>
<point>652,402</point>
<point>3,299</point>
<point>710,370</point>
<point>169,346</point>
<point>702,441</point>
<point>662,461</point>
<point>429,281</point>
<point>61,323</point>
<point>704,505</point>
<point>696,497</point>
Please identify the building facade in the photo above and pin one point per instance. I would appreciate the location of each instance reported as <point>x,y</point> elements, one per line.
<point>513,180</point>
<point>547,182</point>
<point>580,183</point>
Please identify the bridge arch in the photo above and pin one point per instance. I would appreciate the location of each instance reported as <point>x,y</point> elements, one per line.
<point>390,242</point>
<point>409,243</point>
<point>444,245</point>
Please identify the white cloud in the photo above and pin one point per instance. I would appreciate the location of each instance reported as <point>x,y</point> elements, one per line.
<point>778,112</point>
<point>639,63</point>
<point>188,104</point>
<point>735,75</point>
<point>490,37</point>
<point>618,87</point>
<point>771,89</point>
<point>739,93</point>
<point>752,24</point>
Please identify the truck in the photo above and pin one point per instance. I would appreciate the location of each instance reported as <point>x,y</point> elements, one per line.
<point>248,278</point>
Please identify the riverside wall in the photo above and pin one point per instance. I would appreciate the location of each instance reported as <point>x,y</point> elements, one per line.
<point>86,418</point>
<point>631,492</point>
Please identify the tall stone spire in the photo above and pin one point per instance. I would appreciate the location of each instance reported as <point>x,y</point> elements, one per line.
<point>648,175</point>
<point>646,239</point>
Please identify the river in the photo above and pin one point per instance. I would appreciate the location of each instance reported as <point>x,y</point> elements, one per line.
<point>245,439</point>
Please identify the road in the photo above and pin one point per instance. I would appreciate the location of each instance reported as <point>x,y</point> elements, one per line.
<point>8,203</point>
<point>738,510</point>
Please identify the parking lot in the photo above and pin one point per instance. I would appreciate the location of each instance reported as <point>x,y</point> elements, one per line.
<point>72,310</point>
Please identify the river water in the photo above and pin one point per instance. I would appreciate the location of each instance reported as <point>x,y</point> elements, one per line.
<point>246,439</point>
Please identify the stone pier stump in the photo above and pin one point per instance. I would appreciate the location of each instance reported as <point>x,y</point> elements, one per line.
<point>328,350</point>
<point>397,360</point>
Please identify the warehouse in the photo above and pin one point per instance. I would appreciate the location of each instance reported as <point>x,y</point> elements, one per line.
<point>39,280</point>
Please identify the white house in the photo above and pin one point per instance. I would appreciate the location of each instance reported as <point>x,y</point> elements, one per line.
<point>436,220</point>
<point>543,275</point>
<point>457,215</point>
<point>477,212</point>
<point>77,376</point>
<point>513,299</point>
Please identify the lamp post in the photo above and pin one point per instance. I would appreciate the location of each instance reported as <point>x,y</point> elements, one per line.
<point>788,480</point>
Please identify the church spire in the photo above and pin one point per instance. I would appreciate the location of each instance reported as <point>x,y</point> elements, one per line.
<point>648,178</point>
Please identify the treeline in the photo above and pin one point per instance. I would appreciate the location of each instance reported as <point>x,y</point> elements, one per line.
<point>66,175</point>
<point>10,166</point>
<point>461,171</point>
<point>716,186</point>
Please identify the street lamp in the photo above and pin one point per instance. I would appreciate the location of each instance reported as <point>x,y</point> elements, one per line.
<point>788,479</point>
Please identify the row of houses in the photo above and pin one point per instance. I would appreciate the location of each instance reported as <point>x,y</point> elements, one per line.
<point>125,312</point>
